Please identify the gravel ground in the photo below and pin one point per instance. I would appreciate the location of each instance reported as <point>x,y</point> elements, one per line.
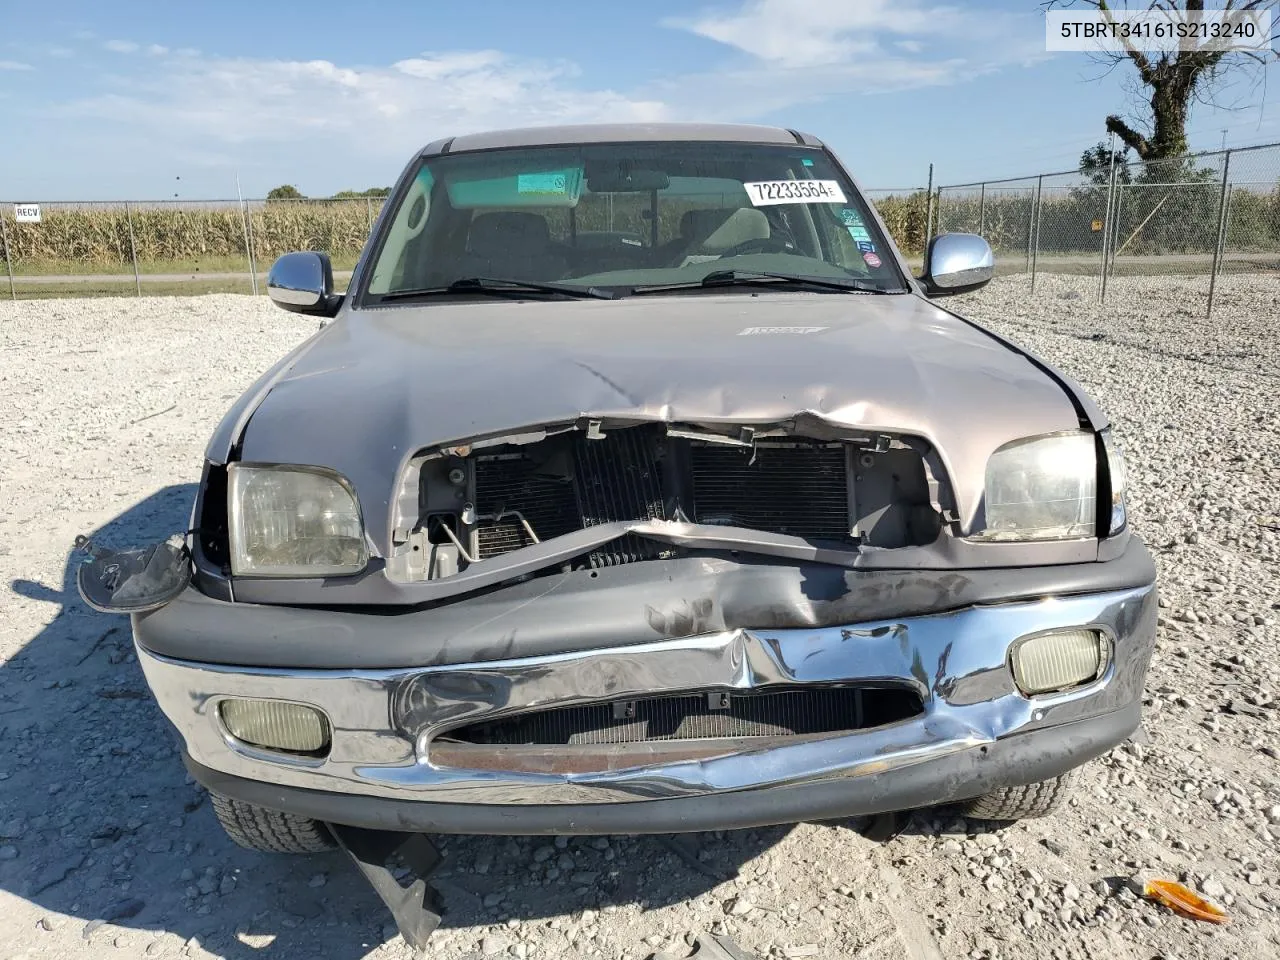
<point>107,849</point>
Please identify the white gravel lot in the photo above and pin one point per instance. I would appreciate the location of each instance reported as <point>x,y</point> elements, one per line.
<point>107,849</point>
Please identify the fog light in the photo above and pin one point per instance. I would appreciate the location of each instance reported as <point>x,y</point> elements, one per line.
<point>1059,660</point>
<point>276,725</point>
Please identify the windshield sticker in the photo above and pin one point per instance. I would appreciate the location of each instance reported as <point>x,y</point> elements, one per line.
<point>866,246</point>
<point>871,260</point>
<point>767,331</point>
<point>496,184</point>
<point>767,193</point>
<point>807,162</point>
<point>850,217</point>
<point>859,232</point>
<point>553,183</point>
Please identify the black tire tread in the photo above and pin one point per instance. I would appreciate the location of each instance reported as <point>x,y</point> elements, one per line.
<point>269,831</point>
<point>1023,802</point>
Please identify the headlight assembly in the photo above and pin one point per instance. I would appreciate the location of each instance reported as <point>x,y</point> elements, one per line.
<point>1043,488</point>
<point>1117,475</point>
<point>289,521</point>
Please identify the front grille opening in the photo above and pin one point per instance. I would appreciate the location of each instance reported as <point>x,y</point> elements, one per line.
<point>801,489</point>
<point>543,495</point>
<point>572,482</point>
<point>569,484</point>
<point>714,714</point>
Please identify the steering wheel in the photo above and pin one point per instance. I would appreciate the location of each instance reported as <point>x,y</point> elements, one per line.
<point>774,244</point>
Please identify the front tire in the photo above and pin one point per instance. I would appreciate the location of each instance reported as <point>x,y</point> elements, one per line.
<point>1021,803</point>
<point>269,831</point>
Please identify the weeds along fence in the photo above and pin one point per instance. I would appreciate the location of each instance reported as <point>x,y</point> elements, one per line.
<point>1213,215</point>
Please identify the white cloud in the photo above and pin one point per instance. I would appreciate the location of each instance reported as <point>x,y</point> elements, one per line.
<point>806,51</point>
<point>819,32</point>
<point>384,110</point>
<point>432,66</point>
<point>121,46</point>
<point>62,53</point>
<point>321,119</point>
<point>15,65</point>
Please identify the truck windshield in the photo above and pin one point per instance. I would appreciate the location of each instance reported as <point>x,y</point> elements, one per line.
<point>626,216</point>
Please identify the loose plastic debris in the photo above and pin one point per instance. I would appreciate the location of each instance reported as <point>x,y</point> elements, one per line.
<point>1182,900</point>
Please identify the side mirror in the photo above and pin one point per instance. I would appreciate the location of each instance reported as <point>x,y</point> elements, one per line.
<point>303,283</point>
<point>957,263</point>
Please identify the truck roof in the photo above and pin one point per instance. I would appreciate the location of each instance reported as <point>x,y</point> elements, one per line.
<point>617,133</point>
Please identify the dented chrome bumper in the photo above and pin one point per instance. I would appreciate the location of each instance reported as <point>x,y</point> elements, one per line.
<point>384,721</point>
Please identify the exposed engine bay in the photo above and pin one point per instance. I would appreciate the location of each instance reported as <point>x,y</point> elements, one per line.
<point>467,504</point>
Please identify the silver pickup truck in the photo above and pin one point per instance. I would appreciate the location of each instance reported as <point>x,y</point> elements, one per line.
<point>635,485</point>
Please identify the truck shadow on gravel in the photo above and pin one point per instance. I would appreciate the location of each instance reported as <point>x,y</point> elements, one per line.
<point>102,830</point>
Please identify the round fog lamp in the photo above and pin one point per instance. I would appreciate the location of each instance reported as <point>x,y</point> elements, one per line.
<point>1058,660</point>
<point>276,725</point>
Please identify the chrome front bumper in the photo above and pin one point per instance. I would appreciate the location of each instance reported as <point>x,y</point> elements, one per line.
<point>384,720</point>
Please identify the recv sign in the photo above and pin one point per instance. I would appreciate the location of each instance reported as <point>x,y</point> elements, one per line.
<point>26,212</point>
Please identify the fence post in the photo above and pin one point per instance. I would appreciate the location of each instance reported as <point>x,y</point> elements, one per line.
<point>1226,225</point>
<point>982,210</point>
<point>368,216</point>
<point>1031,217</point>
<point>248,246</point>
<point>1035,230</point>
<point>133,249</point>
<point>928,211</point>
<point>1106,224</point>
<point>8,264</point>
<point>1114,230</point>
<point>1222,231</point>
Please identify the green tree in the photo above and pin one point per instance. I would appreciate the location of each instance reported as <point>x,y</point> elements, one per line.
<point>285,192</point>
<point>374,192</point>
<point>1095,163</point>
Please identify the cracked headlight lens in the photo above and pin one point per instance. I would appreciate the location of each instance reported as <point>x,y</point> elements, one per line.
<point>289,521</point>
<point>1043,488</point>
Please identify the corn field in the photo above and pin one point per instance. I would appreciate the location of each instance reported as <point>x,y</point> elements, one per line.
<point>110,235</point>
<point>98,235</point>
<point>1207,215</point>
<point>1174,218</point>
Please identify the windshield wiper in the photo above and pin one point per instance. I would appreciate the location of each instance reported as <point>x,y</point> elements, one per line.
<point>499,287</point>
<point>732,278</point>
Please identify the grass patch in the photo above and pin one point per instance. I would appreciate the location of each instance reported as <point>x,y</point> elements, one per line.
<point>120,288</point>
<point>191,266</point>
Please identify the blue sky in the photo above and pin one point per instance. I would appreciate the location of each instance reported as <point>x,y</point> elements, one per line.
<point>136,99</point>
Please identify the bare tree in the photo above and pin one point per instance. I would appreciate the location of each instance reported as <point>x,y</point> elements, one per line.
<point>1171,82</point>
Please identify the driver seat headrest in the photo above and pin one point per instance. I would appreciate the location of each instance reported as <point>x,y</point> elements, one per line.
<point>743,224</point>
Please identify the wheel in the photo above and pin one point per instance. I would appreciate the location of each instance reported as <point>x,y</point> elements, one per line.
<point>1020,803</point>
<point>257,828</point>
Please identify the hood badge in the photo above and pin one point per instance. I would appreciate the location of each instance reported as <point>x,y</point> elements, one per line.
<point>772,331</point>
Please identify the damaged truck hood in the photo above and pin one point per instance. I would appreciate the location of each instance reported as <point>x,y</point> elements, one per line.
<point>378,385</point>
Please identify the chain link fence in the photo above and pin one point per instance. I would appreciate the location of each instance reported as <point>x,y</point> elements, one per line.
<point>173,246</point>
<point>1211,216</point>
<point>1214,217</point>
